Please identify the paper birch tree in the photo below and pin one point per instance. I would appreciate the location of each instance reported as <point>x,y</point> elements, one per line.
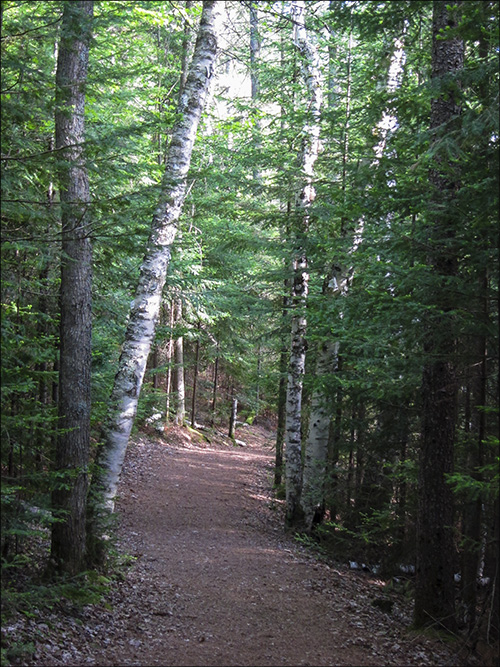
<point>336,285</point>
<point>300,281</point>
<point>146,305</point>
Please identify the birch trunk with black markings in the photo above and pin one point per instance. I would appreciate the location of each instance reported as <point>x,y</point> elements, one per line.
<point>337,284</point>
<point>300,281</point>
<point>146,306</point>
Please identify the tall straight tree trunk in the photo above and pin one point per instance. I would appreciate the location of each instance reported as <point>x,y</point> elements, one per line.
<point>154,365</point>
<point>473,507</point>
<point>313,480</point>
<point>170,354</point>
<point>314,474</point>
<point>254,82</point>
<point>179,385</point>
<point>232,418</point>
<point>473,511</point>
<point>280,429</point>
<point>146,306</point>
<point>285,327</point>
<point>337,284</point>
<point>333,454</point>
<point>300,285</point>
<point>73,442</point>
<point>434,592</point>
<point>195,378</point>
<point>215,383</point>
<point>475,429</point>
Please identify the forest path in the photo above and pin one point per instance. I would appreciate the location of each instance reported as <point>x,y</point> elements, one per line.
<point>216,581</point>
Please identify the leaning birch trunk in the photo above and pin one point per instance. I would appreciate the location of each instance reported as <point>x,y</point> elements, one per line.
<point>146,306</point>
<point>337,284</point>
<point>304,200</point>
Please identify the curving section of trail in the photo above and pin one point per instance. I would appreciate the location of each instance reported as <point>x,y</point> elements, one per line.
<point>216,581</point>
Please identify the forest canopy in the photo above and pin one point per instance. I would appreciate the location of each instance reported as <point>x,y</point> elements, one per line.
<point>331,265</point>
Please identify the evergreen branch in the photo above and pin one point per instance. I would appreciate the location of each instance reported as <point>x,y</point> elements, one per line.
<point>37,155</point>
<point>25,32</point>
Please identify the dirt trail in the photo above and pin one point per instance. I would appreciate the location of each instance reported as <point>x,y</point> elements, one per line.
<point>216,582</point>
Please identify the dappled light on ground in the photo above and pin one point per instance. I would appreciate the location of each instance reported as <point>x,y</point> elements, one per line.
<point>214,579</point>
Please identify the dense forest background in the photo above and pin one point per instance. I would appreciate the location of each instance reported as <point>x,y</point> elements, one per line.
<point>327,208</point>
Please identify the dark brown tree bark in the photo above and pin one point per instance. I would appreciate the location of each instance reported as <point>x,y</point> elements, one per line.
<point>476,422</point>
<point>476,428</point>
<point>434,593</point>
<point>73,444</point>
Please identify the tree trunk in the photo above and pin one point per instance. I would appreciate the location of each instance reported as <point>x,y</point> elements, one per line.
<point>154,364</point>
<point>300,284</point>
<point>254,83</point>
<point>403,483</point>
<point>195,381</point>
<point>179,385</point>
<point>314,474</point>
<point>170,355</point>
<point>434,593</point>
<point>334,438</point>
<point>187,39</point>
<point>214,387</point>
<point>476,424</point>
<point>280,429</point>
<point>337,284</point>
<point>285,327</point>
<point>313,480</point>
<point>232,420</point>
<point>477,430</point>
<point>73,442</point>
<point>358,439</point>
<point>145,308</point>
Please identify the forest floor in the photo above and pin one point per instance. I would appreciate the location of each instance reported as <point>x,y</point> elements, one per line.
<point>214,580</point>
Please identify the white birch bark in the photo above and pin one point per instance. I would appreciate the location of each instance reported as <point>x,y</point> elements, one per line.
<point>170,356</point>
<point>315,469</point>
<point>179,386</point>
<point>145,308</point>
<point>305,197</point>
<point>336,285</point>
<point>255,83</point>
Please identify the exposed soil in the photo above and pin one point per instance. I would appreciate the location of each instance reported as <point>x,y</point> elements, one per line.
<point>216,581</point>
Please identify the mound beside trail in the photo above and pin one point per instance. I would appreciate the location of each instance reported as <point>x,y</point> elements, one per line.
<point>216,581</point>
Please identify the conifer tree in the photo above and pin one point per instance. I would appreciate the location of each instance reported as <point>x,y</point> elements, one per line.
<point>434,593</point>
<point>73,442</point>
